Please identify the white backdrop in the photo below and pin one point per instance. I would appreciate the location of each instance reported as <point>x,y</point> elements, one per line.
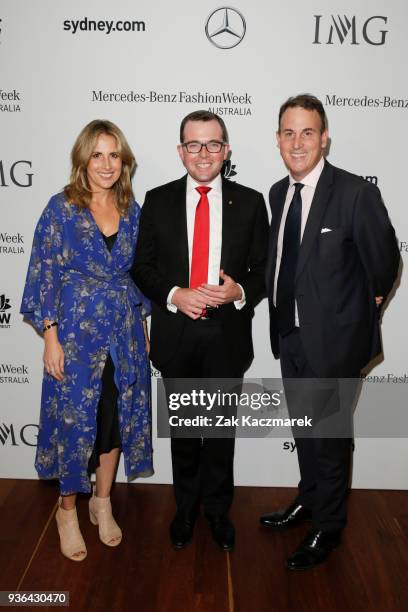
<point>57,74</point>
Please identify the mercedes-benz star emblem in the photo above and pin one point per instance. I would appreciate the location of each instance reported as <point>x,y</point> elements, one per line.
<point>225,27</point>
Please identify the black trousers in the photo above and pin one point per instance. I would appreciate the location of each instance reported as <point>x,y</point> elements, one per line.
<point>202,467</point>
<point>324,462</point>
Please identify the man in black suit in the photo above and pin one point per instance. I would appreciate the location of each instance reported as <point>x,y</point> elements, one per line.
<point>333,259</point>
<point>200,258</point>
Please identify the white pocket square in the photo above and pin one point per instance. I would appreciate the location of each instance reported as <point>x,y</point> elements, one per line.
<point>325,229</point>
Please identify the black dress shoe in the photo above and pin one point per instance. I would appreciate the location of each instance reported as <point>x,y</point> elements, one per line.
<point>292,516</point>
<point>223,531</point>
<point>181,531</point>
<point>314,550</point>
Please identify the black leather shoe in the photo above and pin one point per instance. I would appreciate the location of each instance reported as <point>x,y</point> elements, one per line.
<point>292,516</point>
<point>181,531</point>
<point>314,550</point>
<point>223,531</point>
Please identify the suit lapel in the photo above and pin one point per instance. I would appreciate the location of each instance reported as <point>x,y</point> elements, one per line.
<point>313,224</point>
<point>179,225</point>
<point>277,209</point>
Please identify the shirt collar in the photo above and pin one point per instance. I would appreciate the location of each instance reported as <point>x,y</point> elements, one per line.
<point>216,184</point>
<point>312,178</point>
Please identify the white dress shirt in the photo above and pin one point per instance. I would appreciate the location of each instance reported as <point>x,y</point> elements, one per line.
<point>214,256</point>
<point>307,193</point>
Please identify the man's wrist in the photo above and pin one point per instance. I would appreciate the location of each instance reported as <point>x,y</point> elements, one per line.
<point>240,303</point>
<point>170,306</point>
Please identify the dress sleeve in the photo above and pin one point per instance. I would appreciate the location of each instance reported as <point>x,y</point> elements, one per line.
<point>42,289</point>
<point>142,300</point>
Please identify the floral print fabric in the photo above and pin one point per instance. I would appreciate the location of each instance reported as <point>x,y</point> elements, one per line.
<point>73,279</point>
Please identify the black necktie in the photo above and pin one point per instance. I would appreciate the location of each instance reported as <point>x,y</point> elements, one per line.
<point>285,295</point>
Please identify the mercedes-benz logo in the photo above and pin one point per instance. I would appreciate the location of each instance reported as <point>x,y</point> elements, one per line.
<point>225,27</point>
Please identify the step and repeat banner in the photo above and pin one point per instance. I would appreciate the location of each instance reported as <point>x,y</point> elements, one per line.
<point>145,65</point>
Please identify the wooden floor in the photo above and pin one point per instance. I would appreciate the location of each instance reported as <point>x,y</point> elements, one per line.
<point>369,572</point>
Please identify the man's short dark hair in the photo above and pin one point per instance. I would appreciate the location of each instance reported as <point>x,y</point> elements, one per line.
<point>203,115</point>
<point>308,102</point>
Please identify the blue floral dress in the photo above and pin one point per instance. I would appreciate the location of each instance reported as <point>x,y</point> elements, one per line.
<point>73,279</point>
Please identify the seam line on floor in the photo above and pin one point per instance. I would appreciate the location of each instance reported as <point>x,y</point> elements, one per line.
<point>37,546</point>
<point>230,585</point>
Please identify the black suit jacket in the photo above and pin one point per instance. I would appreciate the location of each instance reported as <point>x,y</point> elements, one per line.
<point>162,262</point>
<point>339,272</point>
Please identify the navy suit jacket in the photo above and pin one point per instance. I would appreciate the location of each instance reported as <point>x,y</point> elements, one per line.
<point>339,272</point>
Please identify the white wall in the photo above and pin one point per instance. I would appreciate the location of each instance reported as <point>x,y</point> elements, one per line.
<point>54,74</point>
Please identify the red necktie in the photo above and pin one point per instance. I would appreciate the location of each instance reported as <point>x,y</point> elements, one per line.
<point>201,240</point>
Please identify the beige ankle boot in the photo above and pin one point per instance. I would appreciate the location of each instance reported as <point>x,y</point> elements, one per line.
<point>100,513</point>
<point>71,540</point>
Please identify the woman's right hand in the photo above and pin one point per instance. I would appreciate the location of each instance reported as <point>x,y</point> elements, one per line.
<point>146,335</point>
<point>53,357</point>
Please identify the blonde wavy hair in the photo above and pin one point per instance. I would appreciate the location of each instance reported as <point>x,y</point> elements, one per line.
<point>78,191</point>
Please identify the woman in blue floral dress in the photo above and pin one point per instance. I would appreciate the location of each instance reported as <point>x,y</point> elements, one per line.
<point>80,296</point>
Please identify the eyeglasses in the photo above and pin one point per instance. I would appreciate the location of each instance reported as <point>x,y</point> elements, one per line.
<point>214,146</point>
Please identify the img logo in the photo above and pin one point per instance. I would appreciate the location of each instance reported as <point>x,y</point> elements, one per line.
<point>337,29</point>
<point>4,315</point>
<point>18,174</point>
<point>27,435</point>
<point>371,179</point>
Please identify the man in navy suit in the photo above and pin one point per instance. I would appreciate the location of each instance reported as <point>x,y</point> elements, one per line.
<point>332,261</point>
<point>200,258</point>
